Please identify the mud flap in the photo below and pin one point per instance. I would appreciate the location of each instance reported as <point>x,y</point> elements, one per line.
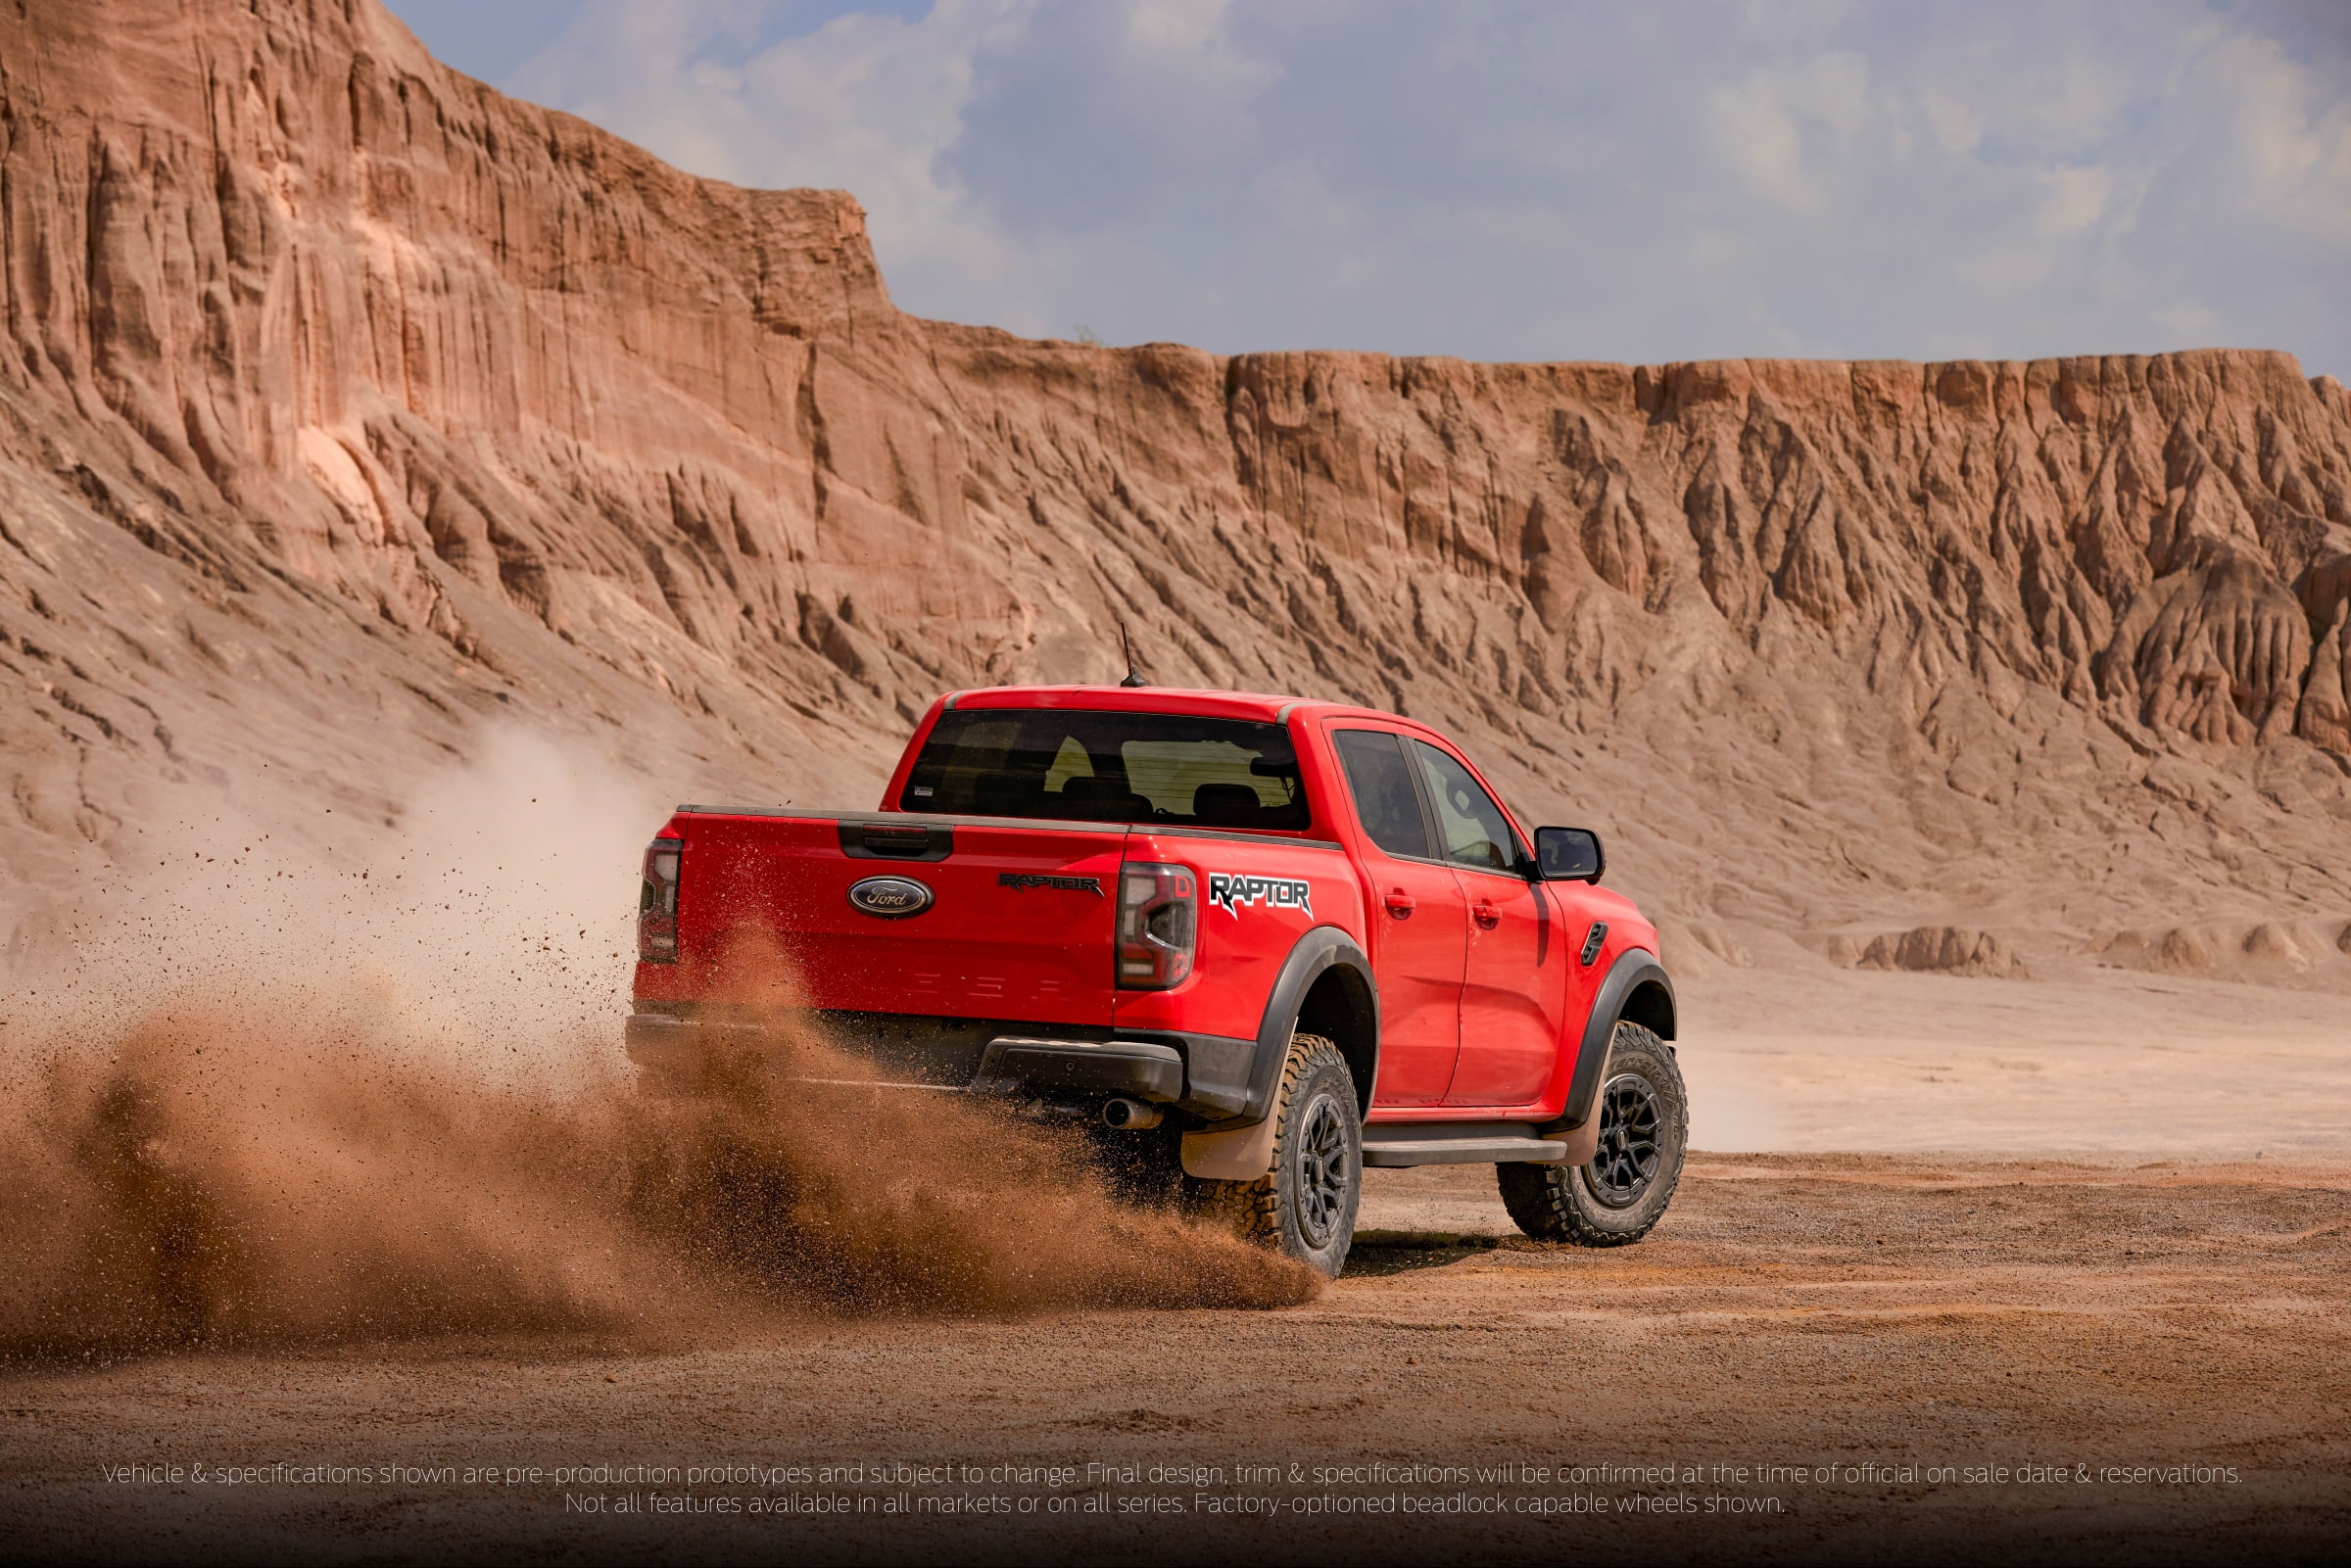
<point>1583,1142</point>
<point>1241,1154</point>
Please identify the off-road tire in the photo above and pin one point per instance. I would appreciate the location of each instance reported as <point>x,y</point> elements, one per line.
<point>1305,1206</point>
<point>1644,1132</point>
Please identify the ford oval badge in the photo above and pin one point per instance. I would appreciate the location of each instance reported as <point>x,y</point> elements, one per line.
<point>890,897</point>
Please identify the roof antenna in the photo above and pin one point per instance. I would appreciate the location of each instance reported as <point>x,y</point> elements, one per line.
<point>1134,677</point>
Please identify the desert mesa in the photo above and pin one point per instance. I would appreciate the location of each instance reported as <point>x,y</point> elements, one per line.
<point>349,407</point>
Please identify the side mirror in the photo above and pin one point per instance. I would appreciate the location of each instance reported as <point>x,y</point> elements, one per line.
<point>1568,855</point>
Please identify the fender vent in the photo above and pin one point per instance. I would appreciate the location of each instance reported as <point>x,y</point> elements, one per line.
<point>1593,941</point>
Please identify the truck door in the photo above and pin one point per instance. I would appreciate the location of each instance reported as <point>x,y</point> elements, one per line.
<point>1419,921</point>
<point>1517,978</point>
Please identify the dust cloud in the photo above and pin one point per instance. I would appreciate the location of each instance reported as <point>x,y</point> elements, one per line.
<point>291,1088</point>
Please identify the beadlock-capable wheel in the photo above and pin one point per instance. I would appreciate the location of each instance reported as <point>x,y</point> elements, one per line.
<point>1644,1116</point>
<point>1305,1206</point>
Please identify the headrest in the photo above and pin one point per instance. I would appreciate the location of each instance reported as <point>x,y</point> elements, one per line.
<point>1224,805</point>
<point>1005,794</point>
<point>1098,798</point>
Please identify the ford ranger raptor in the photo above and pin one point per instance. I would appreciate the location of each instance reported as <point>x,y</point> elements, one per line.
<point>1279,941</point>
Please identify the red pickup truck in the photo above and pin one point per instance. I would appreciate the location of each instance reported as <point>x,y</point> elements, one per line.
<point>1273,940</point>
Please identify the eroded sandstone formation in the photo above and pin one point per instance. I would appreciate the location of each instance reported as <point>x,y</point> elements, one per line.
<point>346,405</point>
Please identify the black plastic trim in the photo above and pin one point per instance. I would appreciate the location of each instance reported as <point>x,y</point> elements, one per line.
<point>1322,948</point>
<point>657,1031</point>
<point>1392,1144</point>
<point>1144,1069</point>
<point>856,841</point>
<point>1519,877</point>
<point>1229,835</point>
<point>1218,1068</point>
<point>1632,969</point>
<point>1600,855</point>
<point>1214,1082</point>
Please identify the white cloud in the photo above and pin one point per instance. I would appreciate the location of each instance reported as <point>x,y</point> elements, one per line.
<point>2076,199</point>
<point>2003,270</point>
<point>1761,137</point>
<point>2292,132</point>
<point>2189,319</point>
<point>1954,125</point>
<point>1574,179</point>
<point>1762,122</point>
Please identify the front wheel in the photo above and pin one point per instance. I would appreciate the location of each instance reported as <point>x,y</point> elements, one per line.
<point>1305,1206</point>
<point>1644,1131</point>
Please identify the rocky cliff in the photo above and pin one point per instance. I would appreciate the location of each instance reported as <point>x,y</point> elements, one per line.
<point>346,405</point>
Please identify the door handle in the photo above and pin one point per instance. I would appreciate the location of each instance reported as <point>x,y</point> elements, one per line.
<point>1401,903</point>
<point>1486,915</point>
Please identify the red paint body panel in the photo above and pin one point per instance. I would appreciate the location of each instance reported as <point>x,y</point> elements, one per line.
<point>1482,994</point>
<point>1240,949</point>
<point>756,885</point>
<point>1417,952</point>
<point>1516,990</point>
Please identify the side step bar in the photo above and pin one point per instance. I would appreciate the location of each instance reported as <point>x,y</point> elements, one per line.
<point>1457,1143</point>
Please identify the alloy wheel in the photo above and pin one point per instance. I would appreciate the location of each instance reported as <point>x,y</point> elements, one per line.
<point>1628,1156</point>
<point>1323,1176</point>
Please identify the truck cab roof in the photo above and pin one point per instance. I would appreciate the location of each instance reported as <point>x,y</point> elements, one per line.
<point>1260,706</point>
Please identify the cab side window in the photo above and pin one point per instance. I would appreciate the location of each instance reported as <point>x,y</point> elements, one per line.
<point>1379,778</point>
<point>1472,827</point>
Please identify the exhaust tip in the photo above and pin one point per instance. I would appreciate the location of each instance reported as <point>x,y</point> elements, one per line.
<point>1131,1115</point>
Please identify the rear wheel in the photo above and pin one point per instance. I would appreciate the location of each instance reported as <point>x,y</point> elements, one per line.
<point>1644,1131</point>
<point>1305,1206</point>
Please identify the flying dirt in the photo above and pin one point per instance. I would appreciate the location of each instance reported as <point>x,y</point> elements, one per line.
<point>276,1100</point>
<point>280,1169</point>
<point>291,1164</point>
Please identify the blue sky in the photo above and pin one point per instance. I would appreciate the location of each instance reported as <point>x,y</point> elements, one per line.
<point>1547,180</point>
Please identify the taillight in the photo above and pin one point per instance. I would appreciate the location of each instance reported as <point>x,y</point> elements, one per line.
<point>1158,924</point>
<point>657,903</point>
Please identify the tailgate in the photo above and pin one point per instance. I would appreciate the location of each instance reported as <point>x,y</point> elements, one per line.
<point>1017,923</point>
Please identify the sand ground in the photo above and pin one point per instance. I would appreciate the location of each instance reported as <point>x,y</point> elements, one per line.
<point>2099,1326</point>
<point>2104,1063</point>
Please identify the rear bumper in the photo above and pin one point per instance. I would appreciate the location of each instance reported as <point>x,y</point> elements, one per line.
<point>661,1040</point>
<point>966,1056</point>
<point>1137,1068</point>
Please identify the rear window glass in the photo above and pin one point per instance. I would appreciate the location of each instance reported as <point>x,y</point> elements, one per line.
<point>1109,767</point>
